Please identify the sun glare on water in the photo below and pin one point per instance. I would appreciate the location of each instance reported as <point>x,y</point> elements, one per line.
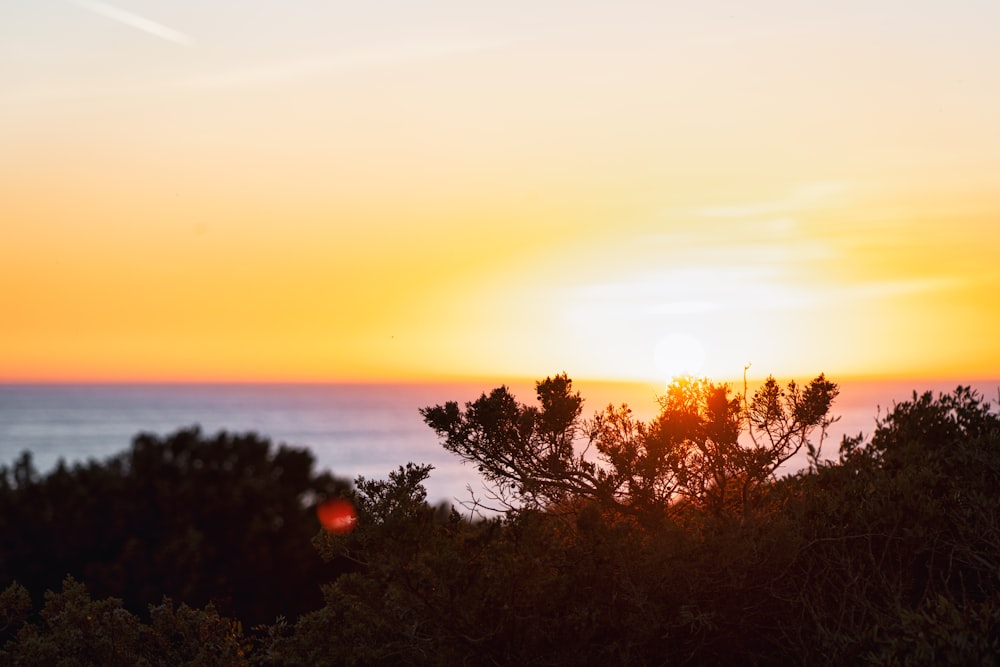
<point>677,355</point>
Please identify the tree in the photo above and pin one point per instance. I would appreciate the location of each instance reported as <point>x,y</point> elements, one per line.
<point>885,556</point>
<point>593,560</point>
<point>225,518</point>
<point>708,447</point>
<point>896,544</point>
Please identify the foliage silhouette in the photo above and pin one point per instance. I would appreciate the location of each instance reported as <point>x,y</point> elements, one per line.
<point>225,518</point>
<point>692,451</point>
<point>675,543</point>
<point>73,629</point>
<point>847,562</point>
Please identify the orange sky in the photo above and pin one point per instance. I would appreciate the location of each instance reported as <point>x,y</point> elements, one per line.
<point>264,191</point>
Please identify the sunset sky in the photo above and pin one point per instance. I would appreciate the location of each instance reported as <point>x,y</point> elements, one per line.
<point>316,190</point>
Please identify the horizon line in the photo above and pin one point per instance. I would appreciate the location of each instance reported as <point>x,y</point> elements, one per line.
<point>487,378</point>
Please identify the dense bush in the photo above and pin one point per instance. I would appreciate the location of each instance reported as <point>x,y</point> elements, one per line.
<point>888,555</point>
<point>75,630</point>
<point>224,519</point>
<point>664,543</point>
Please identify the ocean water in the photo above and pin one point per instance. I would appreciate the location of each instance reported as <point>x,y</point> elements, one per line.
<point>352,429</point>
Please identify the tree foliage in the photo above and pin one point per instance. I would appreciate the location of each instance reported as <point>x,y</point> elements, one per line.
<point>847,562</point>
<point>224,518</point>
<point>669,542</point>
<point>74,629</point>
<point>905,527</point>
<point>708,447</point>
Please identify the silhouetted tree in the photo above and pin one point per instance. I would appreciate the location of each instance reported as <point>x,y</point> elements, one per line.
<point>225,518</point>
<point>902,534</point>
<point>671,542</point>
<point>633,557</point>
<point>541,457</point>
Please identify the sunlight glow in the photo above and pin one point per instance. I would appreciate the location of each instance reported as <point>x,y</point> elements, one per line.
<point>452,190</point>
<point>679,354</point>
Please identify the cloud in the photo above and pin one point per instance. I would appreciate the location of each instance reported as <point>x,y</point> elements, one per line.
<point>135,21</point>
<point>371,57</point>
<point>803,197</point>
<point>692,293</point>
<point>886,289</point>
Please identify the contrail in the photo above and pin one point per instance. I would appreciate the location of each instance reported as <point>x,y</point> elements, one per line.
<point>136,21</point>
<point>371,57</point>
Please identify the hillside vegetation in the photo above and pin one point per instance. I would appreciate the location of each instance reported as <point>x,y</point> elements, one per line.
<point>601,540</point>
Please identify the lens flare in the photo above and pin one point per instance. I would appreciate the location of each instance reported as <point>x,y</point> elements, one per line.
<point>337,515</point>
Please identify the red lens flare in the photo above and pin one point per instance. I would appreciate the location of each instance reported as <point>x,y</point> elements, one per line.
<point>337,515</point>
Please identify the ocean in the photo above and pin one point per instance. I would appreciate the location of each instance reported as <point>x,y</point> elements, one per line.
<point>352,429</point>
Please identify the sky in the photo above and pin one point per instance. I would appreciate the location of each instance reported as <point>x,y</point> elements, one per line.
<point>310,190</point>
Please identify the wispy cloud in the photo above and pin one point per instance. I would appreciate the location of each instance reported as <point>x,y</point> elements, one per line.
<point>806,196</point>
<point>135,21</point>
<point>669,293</point>
<point>887,289</point>
<point>372,57</point>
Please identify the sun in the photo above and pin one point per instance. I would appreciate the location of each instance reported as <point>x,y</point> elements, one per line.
<point>679,354</point>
